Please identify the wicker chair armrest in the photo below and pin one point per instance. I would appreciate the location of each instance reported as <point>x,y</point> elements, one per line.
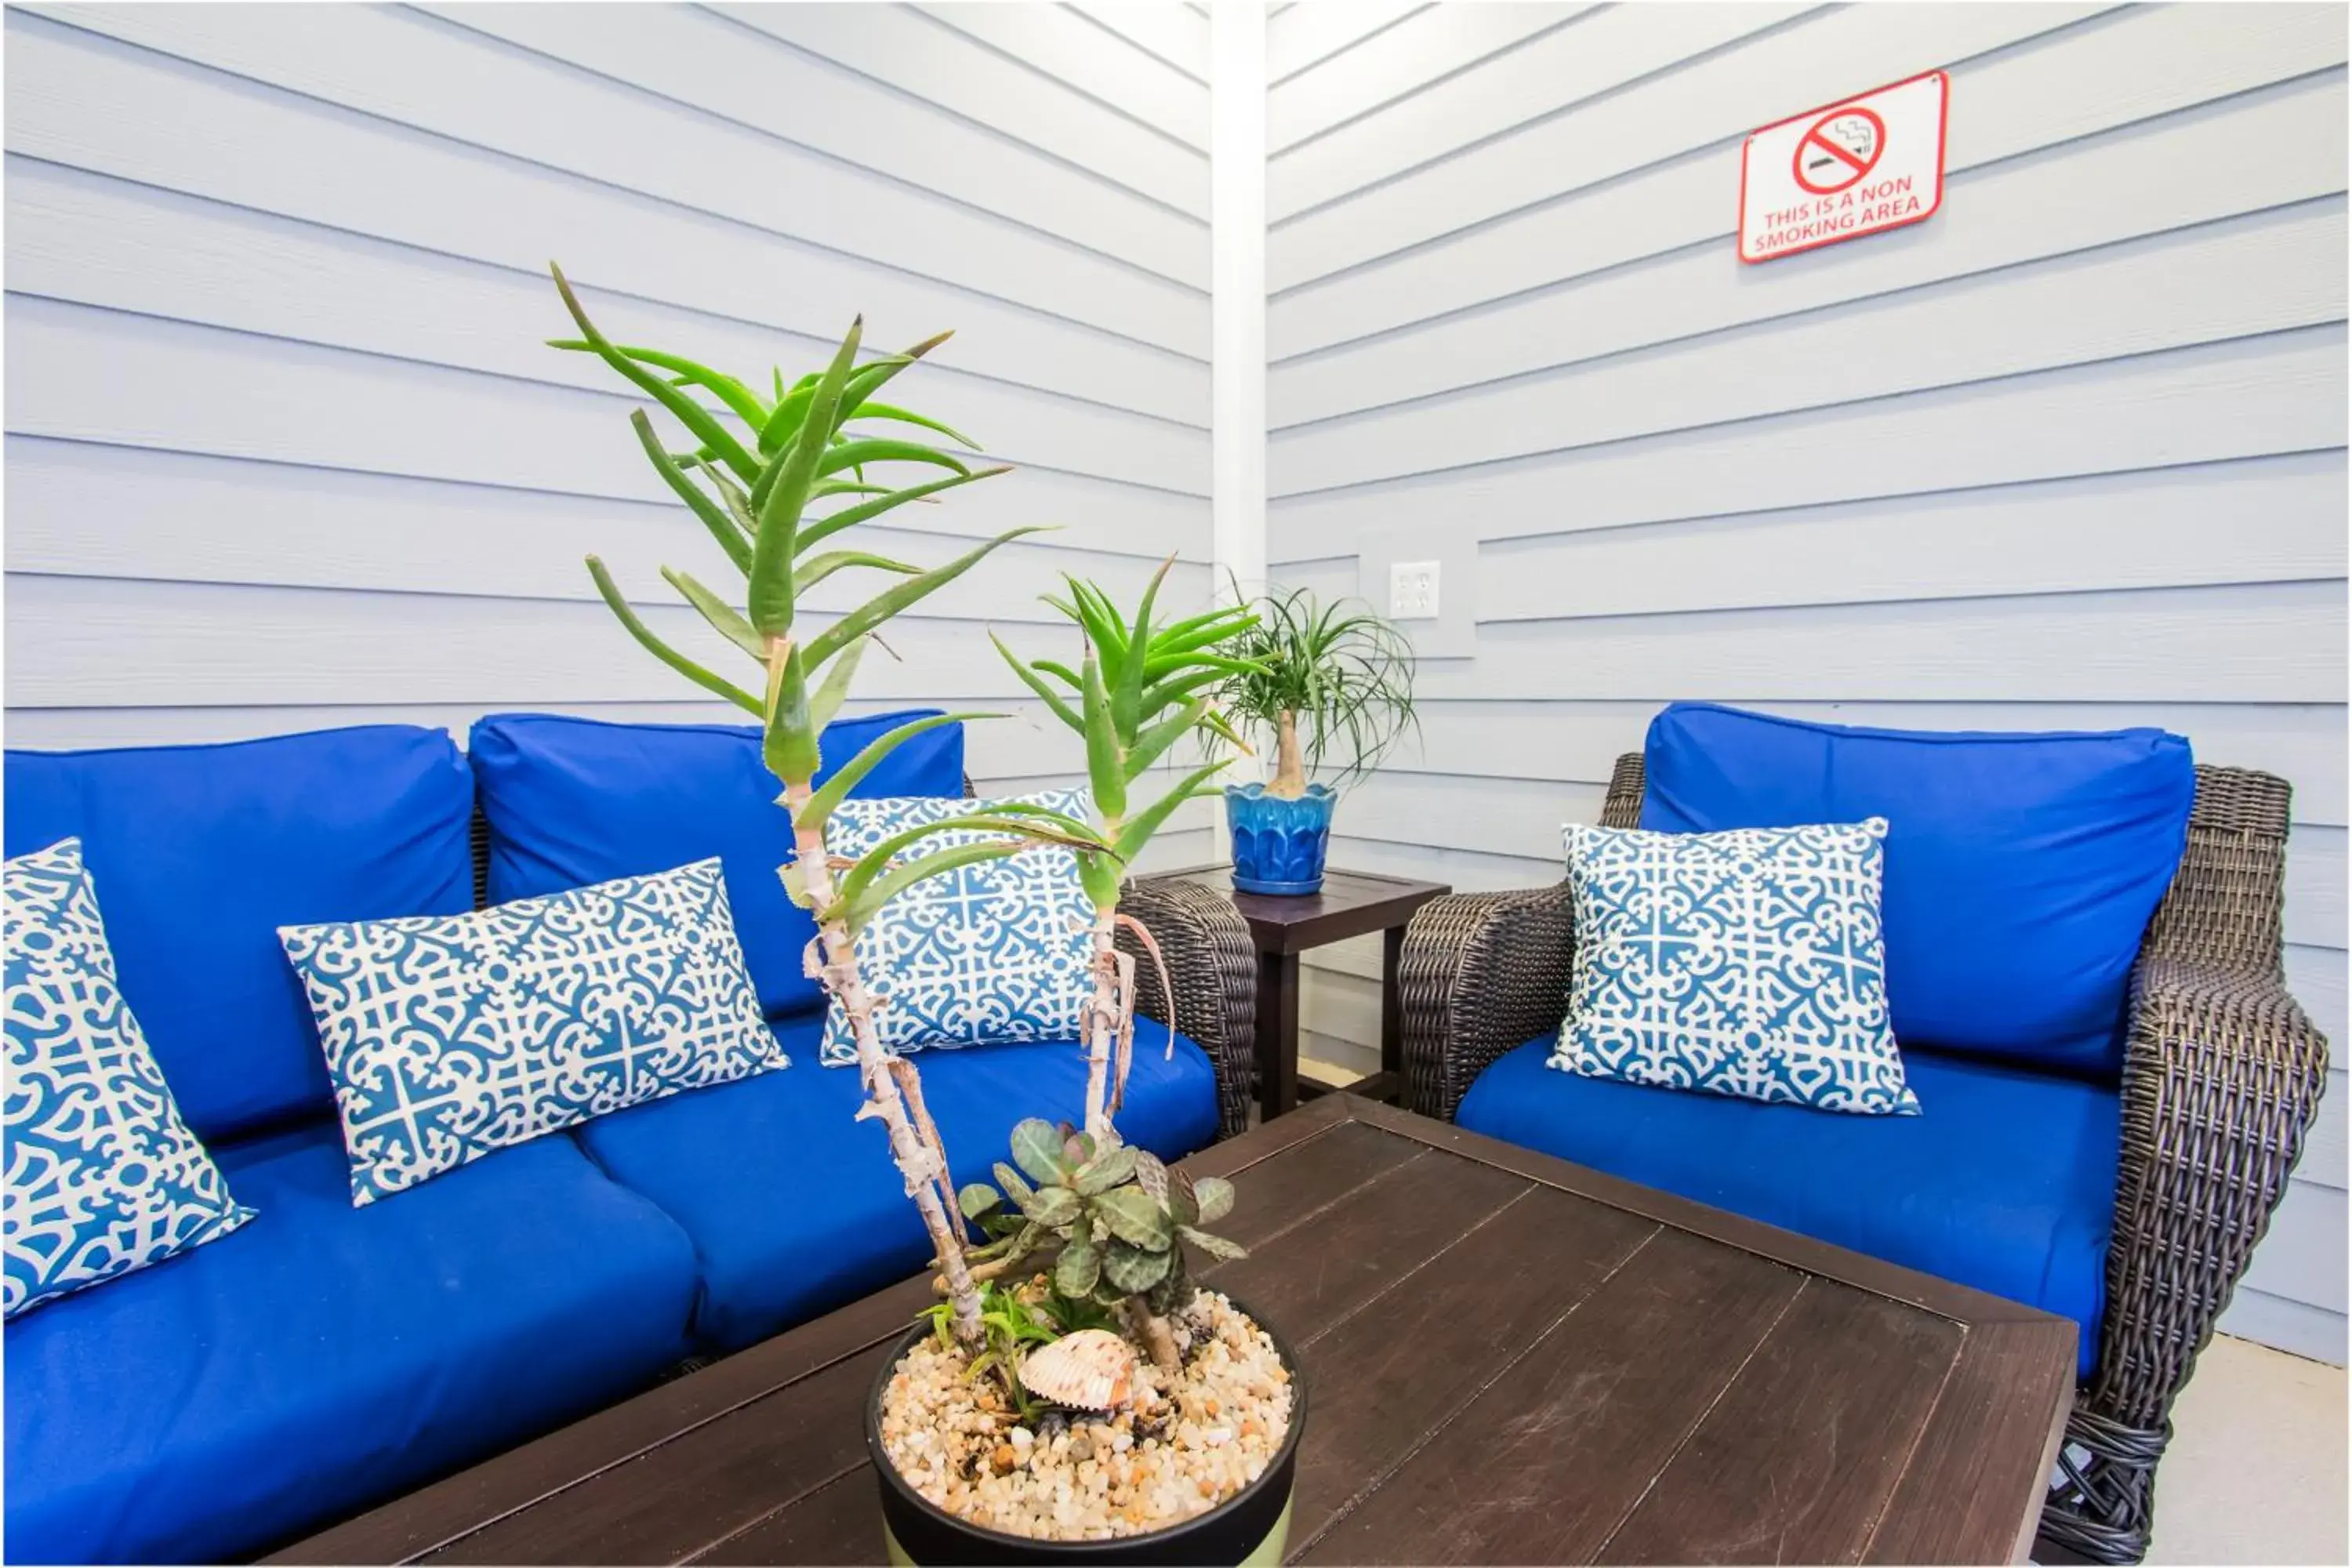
<point>2222,1075</point>
<point>1480,974</point>
<point>1213,967</point>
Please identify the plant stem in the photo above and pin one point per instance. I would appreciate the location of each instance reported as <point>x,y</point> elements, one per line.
<point>1102,1023</point>
<point>922,1165</point>
<point>1144,1324</point>
<point>1290,769</point>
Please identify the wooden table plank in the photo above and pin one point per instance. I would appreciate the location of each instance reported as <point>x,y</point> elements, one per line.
<point>685,1495</point>
<point>841,1522</point>
<point>1559,1448</point>
<point>1377,1388</point>
<point>1794,1463</point>
<point>1350,1250</point>
<point>575,1456</point>
<point>1983,1463</point>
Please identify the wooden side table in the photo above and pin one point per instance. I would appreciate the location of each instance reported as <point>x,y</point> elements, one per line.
<point>1352,903</point>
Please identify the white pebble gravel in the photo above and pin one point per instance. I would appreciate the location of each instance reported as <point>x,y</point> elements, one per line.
<point>1175,1451</point>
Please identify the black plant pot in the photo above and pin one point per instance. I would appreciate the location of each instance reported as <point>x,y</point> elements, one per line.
<point>1250,1527</point>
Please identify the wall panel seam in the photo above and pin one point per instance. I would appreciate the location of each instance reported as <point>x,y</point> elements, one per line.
<point>546,169</point>
<point>2332,326</point>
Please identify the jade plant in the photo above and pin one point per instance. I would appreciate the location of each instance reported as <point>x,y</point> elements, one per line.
<point>1139,688</point>
<point>1118,1215</point>
<point>755,468</point>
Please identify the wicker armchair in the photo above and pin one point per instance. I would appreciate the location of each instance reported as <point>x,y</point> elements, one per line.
<point>2220,1079</point>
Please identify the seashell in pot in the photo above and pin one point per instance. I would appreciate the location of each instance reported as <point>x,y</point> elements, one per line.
<point>1093,1369</point>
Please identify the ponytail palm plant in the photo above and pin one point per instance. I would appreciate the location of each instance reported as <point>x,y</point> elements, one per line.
<point>756,466</point>
<point>1324,682</point>
<point>1139,687</point>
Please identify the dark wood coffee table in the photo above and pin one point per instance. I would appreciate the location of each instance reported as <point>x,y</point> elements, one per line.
<point>1349,904</point>
<point>1511,1360</point>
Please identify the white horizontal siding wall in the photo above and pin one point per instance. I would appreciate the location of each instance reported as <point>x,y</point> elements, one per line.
<point>2071,454</point>
<point>285,448</point>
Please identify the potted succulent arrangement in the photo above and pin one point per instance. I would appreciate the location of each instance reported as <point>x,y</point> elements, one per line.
<point>1326,684</point>
<point>1075,1395</point>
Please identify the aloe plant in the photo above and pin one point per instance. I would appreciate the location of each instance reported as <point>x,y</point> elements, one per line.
<point>756,466</point>
<point>1140,687</point>
<point>1118,1215</point>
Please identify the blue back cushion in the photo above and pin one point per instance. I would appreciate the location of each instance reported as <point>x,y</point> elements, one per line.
<point>200,853</point>
<point>575,801</point>
<point>2022,870</point>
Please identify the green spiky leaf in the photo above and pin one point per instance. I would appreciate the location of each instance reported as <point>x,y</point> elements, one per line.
<point>718,684</point>
<point>817,529</point>
<point>834,690</point>
<point>688,413</point>
<point>715,517</point>
<point>1214,1195</point>
<point>786,485</point>
<point>727,620</point>
<point>822,802</point>
<point>892,600</point>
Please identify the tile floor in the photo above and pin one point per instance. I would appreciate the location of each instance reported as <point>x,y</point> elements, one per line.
<point>2256,1473</point>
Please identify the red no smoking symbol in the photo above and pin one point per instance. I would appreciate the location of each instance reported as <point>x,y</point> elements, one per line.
<point>1843,146</point>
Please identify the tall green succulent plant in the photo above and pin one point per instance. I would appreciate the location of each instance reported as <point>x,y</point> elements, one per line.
<point>1140,687</point>
<point>757,466</point>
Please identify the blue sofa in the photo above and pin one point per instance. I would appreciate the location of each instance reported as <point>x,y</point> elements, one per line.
<point>324,1358</point>
<point>2106,1125</point>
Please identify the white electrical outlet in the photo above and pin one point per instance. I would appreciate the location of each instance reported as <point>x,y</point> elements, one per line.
<point>1412,590</point>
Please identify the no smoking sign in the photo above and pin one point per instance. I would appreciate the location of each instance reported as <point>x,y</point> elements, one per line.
<point>1861,166</point>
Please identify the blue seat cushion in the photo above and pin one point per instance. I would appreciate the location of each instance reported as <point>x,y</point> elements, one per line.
<point>2006,1180</point>
<point>200,853</point>
<point>794,1204</point>
<point>2022,870</point>
<point>324,1358</point>
<point>575,801</point>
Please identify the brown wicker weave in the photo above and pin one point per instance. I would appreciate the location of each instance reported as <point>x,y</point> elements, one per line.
<point>2220,1080</point>
<point>1212,965</point>
<point>1211,961</point>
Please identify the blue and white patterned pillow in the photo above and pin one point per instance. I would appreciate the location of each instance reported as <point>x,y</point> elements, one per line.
<point>1748,962</point>
<point>103,1175</point>
<point>449,1036</point>
<point>996,950</point>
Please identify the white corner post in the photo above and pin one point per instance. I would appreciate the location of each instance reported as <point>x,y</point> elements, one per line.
<point>1238,307</point>
<point>1237,290</point>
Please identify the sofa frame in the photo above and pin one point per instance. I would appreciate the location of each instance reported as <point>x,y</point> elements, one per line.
<point>2222,1076</point>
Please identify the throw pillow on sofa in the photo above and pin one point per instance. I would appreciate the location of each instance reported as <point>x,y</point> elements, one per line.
<point>449,1036</point>
<point>1745,963</point>
<point>103,1176</point>
<point>1000,950</point>
<point>2022,870</point>
<point>575,801</point>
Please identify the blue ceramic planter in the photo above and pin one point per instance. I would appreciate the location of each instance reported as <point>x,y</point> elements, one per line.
<point>1278,843</point>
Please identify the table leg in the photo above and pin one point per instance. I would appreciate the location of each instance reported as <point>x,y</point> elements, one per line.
<point>1393,1013</point>
<point>1277,1034</point>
